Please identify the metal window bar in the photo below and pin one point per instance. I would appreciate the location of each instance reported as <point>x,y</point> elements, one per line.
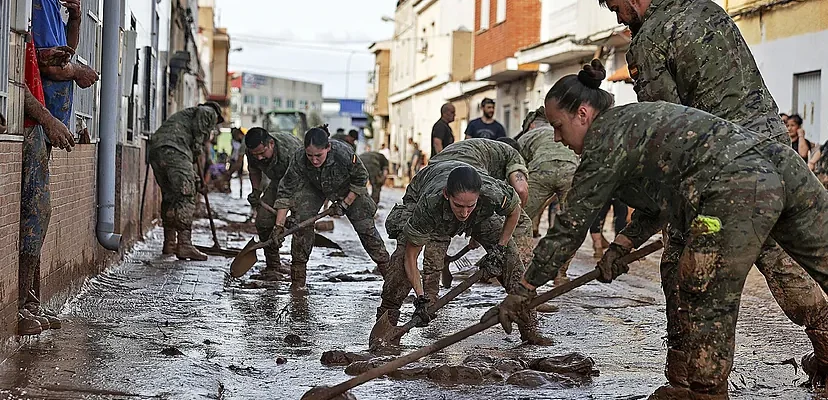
<point>85,100</point>
<point>5,30</point>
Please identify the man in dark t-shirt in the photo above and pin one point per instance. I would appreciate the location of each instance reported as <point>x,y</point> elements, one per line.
<point>486,127</point>
<point>441,134</point>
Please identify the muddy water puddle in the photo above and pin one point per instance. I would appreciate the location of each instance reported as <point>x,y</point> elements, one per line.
<point>154,327</point>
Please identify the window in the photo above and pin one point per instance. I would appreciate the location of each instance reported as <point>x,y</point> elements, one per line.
<point>501,11</point>
<point>264,101</point>
<point>291,104</point>
<point>277,102</point>
<point>484,14</point>
<point>303,104</point>
<point>248,99</point>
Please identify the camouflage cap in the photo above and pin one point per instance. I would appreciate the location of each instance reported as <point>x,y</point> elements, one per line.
<point>217,108</point>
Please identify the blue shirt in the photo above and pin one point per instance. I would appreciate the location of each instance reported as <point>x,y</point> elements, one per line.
<point>49,30</point>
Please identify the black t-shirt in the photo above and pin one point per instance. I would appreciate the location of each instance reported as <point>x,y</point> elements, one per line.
<point>442,131</point>
<point>479,129</point>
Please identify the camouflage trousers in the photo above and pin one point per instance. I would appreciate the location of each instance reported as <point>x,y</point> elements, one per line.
<point>175,175</point>
<point>763,195</point>
<point>376,188</point>
<point>361,215</point>
<point>555,178</point>
<point>266,221</point>
<point>35,212</point>
<point>396,285</point>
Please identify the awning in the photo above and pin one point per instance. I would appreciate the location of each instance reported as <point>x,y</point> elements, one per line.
<point>621,75</point>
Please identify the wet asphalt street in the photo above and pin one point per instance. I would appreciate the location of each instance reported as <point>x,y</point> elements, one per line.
<point>154,327</point>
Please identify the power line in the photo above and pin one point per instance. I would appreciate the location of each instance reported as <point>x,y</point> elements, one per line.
<point>270,39</point>
<point>303,46</point>
<point>277,69</point>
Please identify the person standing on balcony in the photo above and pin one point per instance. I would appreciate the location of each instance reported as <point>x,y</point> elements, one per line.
<point>486,127</point>
<point>441,134</point>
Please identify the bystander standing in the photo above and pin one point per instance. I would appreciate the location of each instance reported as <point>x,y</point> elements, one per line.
<point>486,127</point>
<point>441,134</point>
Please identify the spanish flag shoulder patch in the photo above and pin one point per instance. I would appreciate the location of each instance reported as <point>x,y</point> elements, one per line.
<point>505,200</point>
<point>353,160</point>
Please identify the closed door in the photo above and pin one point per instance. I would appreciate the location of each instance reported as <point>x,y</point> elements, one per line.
<point>807,105</point>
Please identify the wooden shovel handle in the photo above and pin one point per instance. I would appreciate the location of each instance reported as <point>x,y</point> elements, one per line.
<point>472,330</point>
<point>304,224</point>
<point>460,254</point>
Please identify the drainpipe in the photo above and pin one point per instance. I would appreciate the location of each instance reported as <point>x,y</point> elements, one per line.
<point>105,229</point>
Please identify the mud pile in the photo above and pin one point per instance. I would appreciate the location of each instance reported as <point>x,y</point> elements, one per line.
<point>555,372</point>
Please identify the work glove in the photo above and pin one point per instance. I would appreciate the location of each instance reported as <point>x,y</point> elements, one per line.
<point>611,265</point>
<point>421,304</point>
<point>276,236</point>
<point>514,308</point>
<point>493,262</point>
<point>254,197</point>
<point>339,208</point>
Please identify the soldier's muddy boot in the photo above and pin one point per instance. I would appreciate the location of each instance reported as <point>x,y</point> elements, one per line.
<point>530,332</point>
<point>298,277</point>
<point>669,392</point>
<point>393,315</point>
<point>185,249</point>
<point>562,278</point>
<point>169,241</point>
<point>815,364</point>
<point>273,271</point>
<point>598,241</point>
<point>28,325</point>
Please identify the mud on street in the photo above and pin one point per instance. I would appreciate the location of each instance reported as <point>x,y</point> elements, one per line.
<point>155,327</point>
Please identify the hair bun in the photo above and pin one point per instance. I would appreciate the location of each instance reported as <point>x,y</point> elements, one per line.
<point>593,74</point>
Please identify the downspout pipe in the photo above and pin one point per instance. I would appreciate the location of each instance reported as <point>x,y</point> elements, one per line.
<point>105,229</point>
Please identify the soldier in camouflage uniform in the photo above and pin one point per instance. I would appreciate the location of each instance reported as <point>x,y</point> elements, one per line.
<point>268,154</point>
<point>443,200</point>
<point>173,151</point>
<point>326,170</point>
<point>501,161</point>
<point>377,166</point>
<point>691,52</point>
<point>731,187</point>
<point>350,138</point>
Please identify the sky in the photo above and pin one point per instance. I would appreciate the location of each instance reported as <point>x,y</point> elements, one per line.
<point>310,40</point>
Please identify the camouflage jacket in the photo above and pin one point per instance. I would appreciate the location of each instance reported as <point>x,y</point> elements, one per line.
<point>341,173</point>
<point>344,139</point>
<point>676,149</point>
<point>285,146</point>
<point>186,131</point>
<point>496,159</point>
<point>691,52</point>
<point>538,147</point>
<point>432,216</point>
<point>375,163</point>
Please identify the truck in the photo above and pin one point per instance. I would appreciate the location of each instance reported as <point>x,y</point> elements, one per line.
<point>294,122</point>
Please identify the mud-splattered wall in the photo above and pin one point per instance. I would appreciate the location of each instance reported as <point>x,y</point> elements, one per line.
<point>10,170</point>
<point>71,252</point>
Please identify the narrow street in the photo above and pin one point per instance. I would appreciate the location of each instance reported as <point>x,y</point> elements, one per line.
<point>154,327</point>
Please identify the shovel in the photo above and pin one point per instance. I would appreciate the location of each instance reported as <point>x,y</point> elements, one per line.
<point>445,276</point>
<point>247,256</point>
<point>384,333</point>
<point>318,240</point>
<point>328,393</point>
<point>216,249</point>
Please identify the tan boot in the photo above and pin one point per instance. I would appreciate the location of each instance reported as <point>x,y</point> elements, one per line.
<point>530,332</point>
<point>562,278</point>
<point>169,241</point>
<point>185,249</point>
<point>52,320</point>
<point>298,277</point>
<point>815,364</point>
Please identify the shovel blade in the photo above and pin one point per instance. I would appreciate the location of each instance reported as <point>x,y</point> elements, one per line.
<point>244,260</point>
<point>384,333</point>
<point>321,241</point>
